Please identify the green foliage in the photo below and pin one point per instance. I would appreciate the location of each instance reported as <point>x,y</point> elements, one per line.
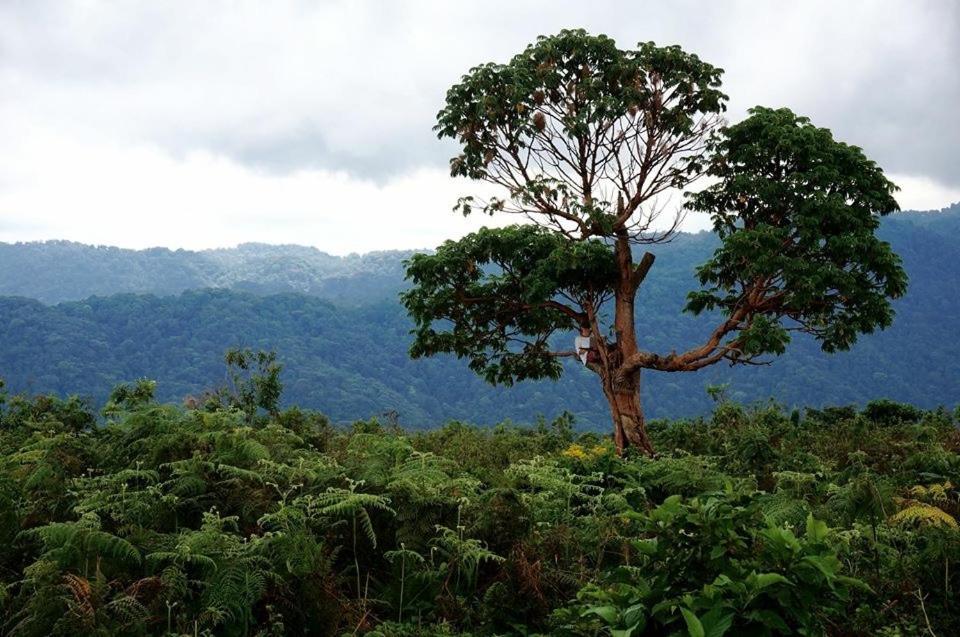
<point>581,136</point>
<point>562,128</point>
<point>798,211</point>
<point>590,84</point>
<point>505,329</point>
<point>168,520</point>
<point>253,383</point>
<point>758,580</point>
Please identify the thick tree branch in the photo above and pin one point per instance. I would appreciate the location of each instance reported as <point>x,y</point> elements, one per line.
<point>642,268</point>
<point>693,359</point>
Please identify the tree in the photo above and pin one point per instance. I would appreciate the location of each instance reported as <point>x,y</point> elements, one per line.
<point>587,140</point>
<point>254,383</point>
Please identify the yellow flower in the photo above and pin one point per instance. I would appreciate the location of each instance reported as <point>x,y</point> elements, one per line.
<point>576,452</point>
<point>579,452</point>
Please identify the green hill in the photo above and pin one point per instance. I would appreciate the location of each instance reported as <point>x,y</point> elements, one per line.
<point>349,359</point>
<point>55,271</point>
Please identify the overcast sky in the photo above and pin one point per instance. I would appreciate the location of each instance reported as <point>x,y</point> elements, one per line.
<point>207,124</point>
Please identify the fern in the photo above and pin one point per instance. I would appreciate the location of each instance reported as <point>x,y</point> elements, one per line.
<point>231,472</point>
<point>236,589</point>
<point>302,469</point>
<point>373,458</point>
<point>783,508</point>
<point>553,491</point>
<point>423,477</point>
<point>128,611</point>
<point>464,555</point>
<point>404,556</point>
<point>351,504</point>
<point>937,493</point>
<point>916,513</point>
<point>71,542</point>
<point>864,496</point>
<point>683,475</point>
<point>183,557</point>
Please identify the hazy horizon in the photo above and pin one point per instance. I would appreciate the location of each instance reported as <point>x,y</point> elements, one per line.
<point>241,244</point>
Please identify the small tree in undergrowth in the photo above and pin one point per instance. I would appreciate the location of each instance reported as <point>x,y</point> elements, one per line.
<point>585,140</point>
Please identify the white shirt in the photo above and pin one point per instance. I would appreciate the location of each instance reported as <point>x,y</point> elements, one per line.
<point>582,343</point>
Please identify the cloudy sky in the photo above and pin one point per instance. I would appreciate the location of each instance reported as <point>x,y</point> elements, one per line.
<point>206,124</point>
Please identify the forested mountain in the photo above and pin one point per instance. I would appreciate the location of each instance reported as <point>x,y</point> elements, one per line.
<point>54,271</point>
<point>351,361</point>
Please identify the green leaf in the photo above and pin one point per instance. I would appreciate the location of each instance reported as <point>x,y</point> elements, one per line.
<point>853,582</point>
<point>634,616</point>
<point>828,566</point>
<point>716,622</point>
<point>694,626</point>
<point>769,619</point>
<point>816,529</point>
<point>763,580</point>
<point>646,547</point>
<point>609,614</point>
<point>794,205</point>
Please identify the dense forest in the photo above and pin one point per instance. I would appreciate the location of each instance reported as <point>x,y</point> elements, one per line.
<point>54,271</point>
<point>350,360</point>
<point>232,516</point>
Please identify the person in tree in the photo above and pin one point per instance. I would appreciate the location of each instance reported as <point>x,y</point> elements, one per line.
<point>585,141</point>
<point>582,345</point>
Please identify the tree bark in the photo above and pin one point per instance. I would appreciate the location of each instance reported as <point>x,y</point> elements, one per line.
<point>629,426</point>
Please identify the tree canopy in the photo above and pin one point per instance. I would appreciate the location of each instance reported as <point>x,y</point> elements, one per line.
<point>573,122</point>
<point>503,292</point>
<point>797,213</point>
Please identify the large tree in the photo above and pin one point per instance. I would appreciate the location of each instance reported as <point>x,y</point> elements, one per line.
<point>590,144</point>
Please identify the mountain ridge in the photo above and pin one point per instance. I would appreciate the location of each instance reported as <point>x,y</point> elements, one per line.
<point>350,359</point>
<point>61,270</point>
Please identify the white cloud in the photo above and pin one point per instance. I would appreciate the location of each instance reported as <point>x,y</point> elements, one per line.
<point>206,124</point>
<point>923,193</point>
<point>140,197</point>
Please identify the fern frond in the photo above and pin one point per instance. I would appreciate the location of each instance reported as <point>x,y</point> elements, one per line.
<point>367,525</point>
<point>128,610</point>
<point>783,508</point>
<point>60,537</point>
<point>342,502</point>
<point>238,473</point>
<point>938,493</point>
<point>182,558</point>
<point>916,513</point>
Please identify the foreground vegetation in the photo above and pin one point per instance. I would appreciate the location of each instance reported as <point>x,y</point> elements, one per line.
<point>229,516</point>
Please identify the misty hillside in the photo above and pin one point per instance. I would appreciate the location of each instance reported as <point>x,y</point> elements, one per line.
<point>350,360</point>
<point>54,271</point>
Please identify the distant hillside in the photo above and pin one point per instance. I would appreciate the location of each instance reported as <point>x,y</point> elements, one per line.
<point>54,271</point>
<point>351,362</point>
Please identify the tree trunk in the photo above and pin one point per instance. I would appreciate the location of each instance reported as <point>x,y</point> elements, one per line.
<point>623,390</point>
<point>629,427</point>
